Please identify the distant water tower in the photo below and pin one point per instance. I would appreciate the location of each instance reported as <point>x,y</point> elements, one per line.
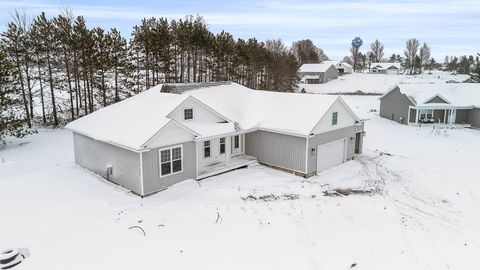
<point>357,42</point>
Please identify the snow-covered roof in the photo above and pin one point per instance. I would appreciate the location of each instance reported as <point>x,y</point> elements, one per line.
<point>284,112</point>
<point>345,64</point>
<point>337,63</point>
<point>457,94</point>
<point>321,67</point>
<point>386,65</point>
<point>132,122</point>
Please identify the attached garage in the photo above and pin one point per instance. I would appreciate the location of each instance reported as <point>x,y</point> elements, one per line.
<point>331,154</point>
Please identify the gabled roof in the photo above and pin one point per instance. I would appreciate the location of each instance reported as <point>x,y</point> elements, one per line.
<point>286,112</point>
<point>321,67</point>
<point>337,63</point>
<point>386,65</point>
<point>132,122</point>
<point>456,94</point>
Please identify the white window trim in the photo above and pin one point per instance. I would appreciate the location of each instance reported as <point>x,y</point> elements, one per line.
<point>193,114</point>
<point>220,145</point>
<point>234,141</point>
<point>209,146</point>
<point>171,160</point>
<point>333,113</point>
<point>426,113</point>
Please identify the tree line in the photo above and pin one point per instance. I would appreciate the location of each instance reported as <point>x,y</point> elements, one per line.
<point>416,59</point>
<point>55,70</point>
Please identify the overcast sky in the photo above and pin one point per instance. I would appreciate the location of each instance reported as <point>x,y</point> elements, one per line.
<point>450,27</point>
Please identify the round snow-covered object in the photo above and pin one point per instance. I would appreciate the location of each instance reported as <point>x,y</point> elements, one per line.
<point>11,264</point>
<point>8,255</point>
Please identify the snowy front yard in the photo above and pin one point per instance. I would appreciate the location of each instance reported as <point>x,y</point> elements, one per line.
<point>420,209</point>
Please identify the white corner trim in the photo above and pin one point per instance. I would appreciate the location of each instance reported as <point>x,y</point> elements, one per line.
<point>141,175</point>
<point>306,155</point>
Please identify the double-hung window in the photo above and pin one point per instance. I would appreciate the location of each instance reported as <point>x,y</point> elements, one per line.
<point>206,149</point>
<point>222,145</point>
<point>334,118</point>
<point>188,114</point>
<point>171,160</point>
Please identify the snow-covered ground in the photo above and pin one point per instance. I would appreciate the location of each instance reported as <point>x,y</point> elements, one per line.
<point>420,209</point>
<point>377,83</point>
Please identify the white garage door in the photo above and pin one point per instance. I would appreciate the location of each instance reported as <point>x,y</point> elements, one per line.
<point>330,155</point>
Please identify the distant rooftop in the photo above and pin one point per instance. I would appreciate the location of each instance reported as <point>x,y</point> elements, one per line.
<point>321,67</point>
<point>179,88</point>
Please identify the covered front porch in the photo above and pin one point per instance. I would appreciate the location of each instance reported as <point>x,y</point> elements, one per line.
<point>221,153</point>
<point>436,113</point>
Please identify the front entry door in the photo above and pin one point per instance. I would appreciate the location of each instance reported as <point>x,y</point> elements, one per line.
<point>236,144</point>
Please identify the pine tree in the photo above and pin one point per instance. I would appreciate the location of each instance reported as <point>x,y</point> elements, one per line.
<point>13,44</point>
<point>12,123</point>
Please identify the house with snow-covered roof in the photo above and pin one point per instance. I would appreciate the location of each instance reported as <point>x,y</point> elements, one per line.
<point>342,67</point>
<point>317,73</point>
<point>439,103</point>
<point>174,132</point>
<point>385,68</point>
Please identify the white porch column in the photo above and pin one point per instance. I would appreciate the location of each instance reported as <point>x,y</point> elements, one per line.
<point>416,116</point>
<point>445,116</point>
<point>197,153</point>
<point>243,143</point>
<point>228,149</point>
<point>454,116</point>
<point>408,116</point>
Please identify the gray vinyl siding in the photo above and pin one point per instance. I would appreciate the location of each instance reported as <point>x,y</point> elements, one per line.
<point>151,168</point>
<point>96,155</point>
<point>330,136</point>
<point>276,149</point>
<point>394,106</point>
<point>437,99</point>
<point>461,116</point>
<point>330,74</point>
<point>473,117</point>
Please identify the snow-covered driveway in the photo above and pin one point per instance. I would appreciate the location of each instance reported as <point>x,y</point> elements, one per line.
<point>420,209</point>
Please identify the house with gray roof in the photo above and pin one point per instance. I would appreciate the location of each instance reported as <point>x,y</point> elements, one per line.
<point>455,104</point>
<point>174,132</point>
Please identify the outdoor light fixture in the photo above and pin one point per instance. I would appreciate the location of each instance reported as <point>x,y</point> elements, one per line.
<point>314,151</point>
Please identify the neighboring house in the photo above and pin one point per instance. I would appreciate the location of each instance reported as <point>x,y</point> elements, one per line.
<point>445,103</point>
<point>174,132</point>
<point>317,73</point>
<point>342,67</point>
<point>385,68</point>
